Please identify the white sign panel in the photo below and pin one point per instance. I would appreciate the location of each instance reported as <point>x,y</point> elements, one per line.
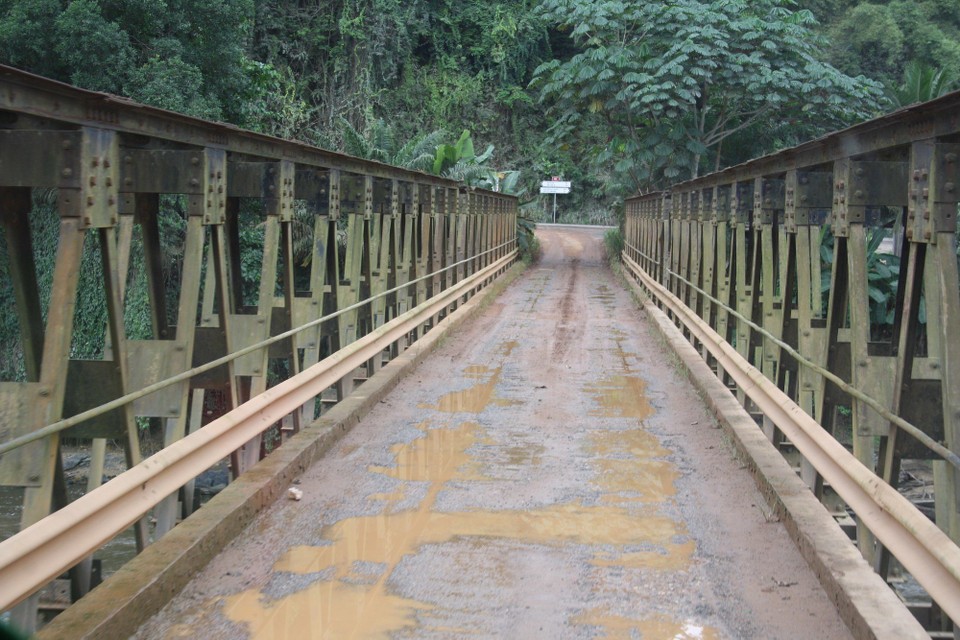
<point>555,183</point>
<point>554,189</point>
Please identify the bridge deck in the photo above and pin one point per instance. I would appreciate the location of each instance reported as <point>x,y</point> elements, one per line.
<point>550,473</point>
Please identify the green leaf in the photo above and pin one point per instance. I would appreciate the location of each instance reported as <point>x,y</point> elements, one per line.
<point>464,146</point>
<point>877,295</point>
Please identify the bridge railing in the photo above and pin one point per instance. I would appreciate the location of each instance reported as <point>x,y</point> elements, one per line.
<point>821,283</point>
<point>256,259</point>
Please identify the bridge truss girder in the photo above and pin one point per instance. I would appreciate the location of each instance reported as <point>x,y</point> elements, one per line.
<point>751,237</point>
<point>114,168</point>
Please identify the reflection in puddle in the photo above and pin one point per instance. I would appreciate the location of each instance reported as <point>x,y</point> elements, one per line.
<point>526,455</point>
<point>351,596</point>
<point>657,627</point>
<point>481,395</point>
<point>349,576</point>
<point>674,558</point>
<point>621,397</point>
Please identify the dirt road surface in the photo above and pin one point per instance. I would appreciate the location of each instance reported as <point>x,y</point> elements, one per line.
<point>547,473</point>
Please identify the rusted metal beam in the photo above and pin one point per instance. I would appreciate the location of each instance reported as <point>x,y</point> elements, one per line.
<point>136,176</point>
<point>814,293</point>
<point>924,550</point>
<point>31,558</point>
<point>38,96</point>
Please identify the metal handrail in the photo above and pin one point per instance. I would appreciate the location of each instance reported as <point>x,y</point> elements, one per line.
<point>885,413</point>
<point>89,414</point>
<point>34,556</point>
<point>923,549</point>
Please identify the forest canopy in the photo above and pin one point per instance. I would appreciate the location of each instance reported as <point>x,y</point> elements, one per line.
<point>615,95</point>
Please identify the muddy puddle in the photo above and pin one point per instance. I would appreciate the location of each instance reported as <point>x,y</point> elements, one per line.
<point>481,395</point>
<point>351,595</point>
<point>605,296</point>
<point>657,627</point>
<point>622,396</point>
<point>349,577</point>
<point>476,398</point>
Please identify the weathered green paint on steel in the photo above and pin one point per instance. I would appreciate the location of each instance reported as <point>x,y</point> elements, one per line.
<point>768,265</point>
<point>109,161</point>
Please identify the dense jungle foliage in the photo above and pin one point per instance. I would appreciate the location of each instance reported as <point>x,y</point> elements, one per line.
<point>616,96</point>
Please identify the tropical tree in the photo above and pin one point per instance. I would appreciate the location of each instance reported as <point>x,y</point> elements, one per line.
<point>921,83</point>
<point>183,55</point>
<point>673,80</point>
<point>379,143</point>
<point>879,38</point>
<point>459,161</point>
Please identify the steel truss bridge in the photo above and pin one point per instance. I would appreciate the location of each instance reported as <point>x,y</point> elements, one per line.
<point>737,260</point>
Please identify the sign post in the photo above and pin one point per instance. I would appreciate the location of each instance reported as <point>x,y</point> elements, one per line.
<point>555,186</point>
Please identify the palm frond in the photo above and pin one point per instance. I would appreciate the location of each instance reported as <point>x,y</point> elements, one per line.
<point>382,141</point>
<point>303,227</point>
<point>354,143</point>
<point>419,152</point>
<point>920,84</point>
<point>471,173</point>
